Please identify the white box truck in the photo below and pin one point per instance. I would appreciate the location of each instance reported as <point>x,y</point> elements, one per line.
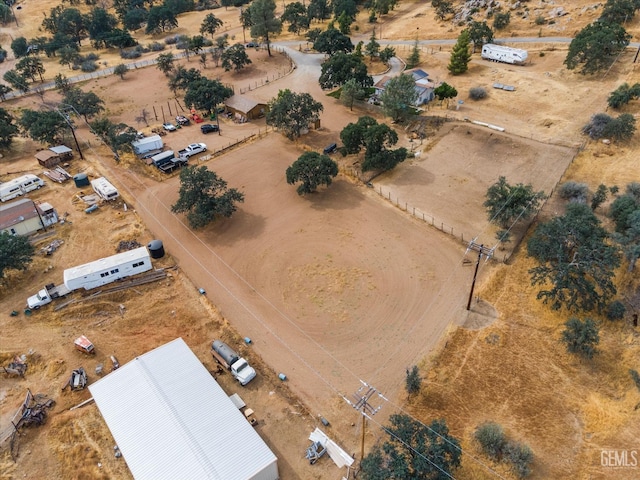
<point>104,189</point>
<point>500,53</point>
<point>19,186</point>
<point>95,274</point>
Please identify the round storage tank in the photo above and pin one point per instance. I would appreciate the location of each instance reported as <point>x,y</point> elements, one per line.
<point>81,180</point>
<point>156,250</point>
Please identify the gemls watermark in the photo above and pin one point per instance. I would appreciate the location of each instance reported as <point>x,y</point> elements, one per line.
<point>619,458</point>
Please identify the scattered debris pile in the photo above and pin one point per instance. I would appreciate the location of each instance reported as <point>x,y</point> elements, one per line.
<point>77,380</point>
<point>17,367</point>
<point>315,451</point>
<point>126,245</point>
<point>52,247</point>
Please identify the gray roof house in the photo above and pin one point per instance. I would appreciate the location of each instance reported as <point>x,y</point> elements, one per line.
<point>424,86</point>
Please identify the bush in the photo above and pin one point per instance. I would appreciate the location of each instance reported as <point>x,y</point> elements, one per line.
<point>88,66</point>
<point>92,57</point>
<point>574,191</point>
<point>156,47</point>
<point>616,310</point>
<point>581,337</point>
<point>413,380</point>
<point>171,40</point>
<point>540,20</point>
<point>635,376</point>
<point>478,93</point>
<point>597,125</point>
<point>520,457</point>
<point>501,20</point>
<point>492,439</point>
<point>129,54</point>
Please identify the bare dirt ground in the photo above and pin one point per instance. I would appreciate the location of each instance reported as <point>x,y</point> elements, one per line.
<point>341,285</point>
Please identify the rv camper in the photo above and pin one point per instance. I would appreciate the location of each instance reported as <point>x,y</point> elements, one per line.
<point>500,53</point>
<point>107,270</point>
<point>19,186</point>
<point>104,189</point>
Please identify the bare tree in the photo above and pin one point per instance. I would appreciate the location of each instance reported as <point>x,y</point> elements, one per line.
<point>143,117</point>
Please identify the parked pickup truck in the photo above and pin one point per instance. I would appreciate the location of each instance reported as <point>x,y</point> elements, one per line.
<point>167,161</point>
<point>230,359</point>
<point>45,295</point>
<point>192,149</point>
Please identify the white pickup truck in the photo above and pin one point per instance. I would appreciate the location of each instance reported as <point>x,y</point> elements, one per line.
<point>45,295</point>
<point>192,149</point>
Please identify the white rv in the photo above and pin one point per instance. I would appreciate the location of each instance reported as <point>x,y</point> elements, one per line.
<point>500,53</point>
<point>147,144</point>
<point>107,270</point>
<point>19,186</point>
<point>104,189</point>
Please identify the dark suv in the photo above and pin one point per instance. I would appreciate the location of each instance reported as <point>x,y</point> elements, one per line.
<point>207,128</point>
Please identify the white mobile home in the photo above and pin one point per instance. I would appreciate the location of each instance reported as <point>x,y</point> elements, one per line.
<point>107,270</point>
<point>19,186</point>
<point>500,53</point>
<point>104,189</point>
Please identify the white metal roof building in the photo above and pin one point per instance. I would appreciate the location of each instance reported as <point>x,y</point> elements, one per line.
<point>171,420</point>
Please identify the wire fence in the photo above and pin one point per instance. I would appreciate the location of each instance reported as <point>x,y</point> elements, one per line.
<point>261,133</point>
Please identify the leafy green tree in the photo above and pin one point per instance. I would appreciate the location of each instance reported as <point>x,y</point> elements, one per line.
<point>414,57</point>
<point>621,128</point>
<point>295,14</point>
<point>160,19</point>
<point>206,94</point>
<point>413,451</point>
<point>17,80</point>
<point>460,55</point>
<point>319,10</point>
<point>264,21</point>
<point>399,97</point>
<point>629,239</point>
<point>69,55</point>
<point>165,63</point>
<point>121,70</point>
<point>210,24</point>
<point>413,380</point>
<point>344,22</point>
<point>622,207</point>
<point>444,92</point>
<point>8,129</point>
<point>507,204</point>
<point>117,136</point>
<point>87,104</point>
<point>313,170</point>
<point>619,11</point>
<point>181,78</point>
<point>332,41</point>
<point>292,112</point>
<point>596,47</point>
<point>576,262</point>
<point>581,337</point>
<point>30,67</point>
<point>599,197</point>
<point>372,49</point>
<point>623,95</point>
<point>387,53</point>
<point>351,91</point>
<point>348,7</point>
<point>443,8</point>
<point>501,20</point>
<point>235,57</point>
<point>16,252</point>
<point>353,135</point>
<point>340,67</point>
<point>46,127</point>
<point>20,47</point>
<point>378,156</point>
<point>100,24</point>
<point>479,34</point>
<point>135,18</point>
<point>205,197</point>
<point>67,21</point>
<point>492,439</point>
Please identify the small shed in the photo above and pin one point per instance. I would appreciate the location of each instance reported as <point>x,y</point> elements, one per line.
<point>53,156</point>
<point>245,107</point>
<point>24,217</point>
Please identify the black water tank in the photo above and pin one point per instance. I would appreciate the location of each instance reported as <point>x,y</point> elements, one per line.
<point>81,180</point>
<point>156,250</point>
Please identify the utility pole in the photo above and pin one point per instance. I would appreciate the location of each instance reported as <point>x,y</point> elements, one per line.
<point>482,250</point>
<point>361,397</point>
<point>65,115</point>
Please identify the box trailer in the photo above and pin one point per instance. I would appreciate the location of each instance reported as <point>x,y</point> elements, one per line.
<point>500,53</point>
<point>19,186</point>
<point>107,270</point>
<point>147,144</point>
<point>104,189</point>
